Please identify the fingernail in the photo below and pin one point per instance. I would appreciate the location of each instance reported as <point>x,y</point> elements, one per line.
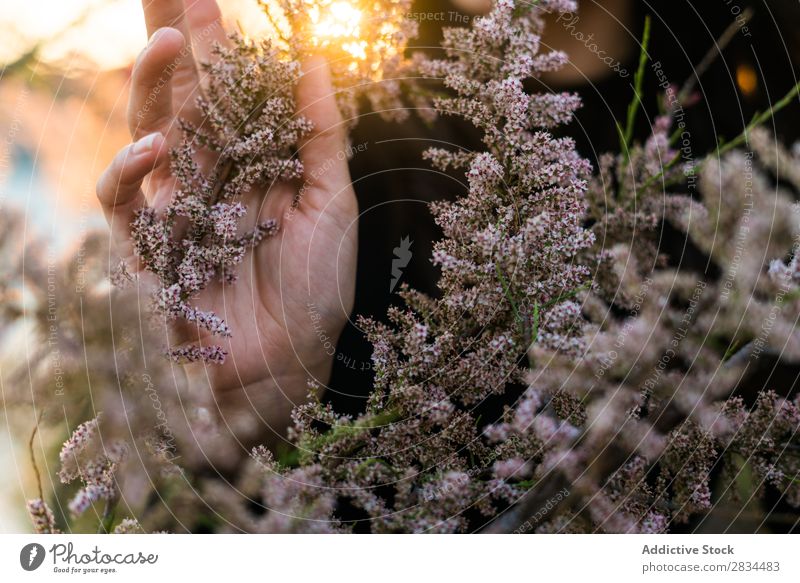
<point>154,36</point>
<point>146,143</point>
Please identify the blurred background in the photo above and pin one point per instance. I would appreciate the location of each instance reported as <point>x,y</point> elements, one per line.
<point>64,72</point>
<point>63,94</point>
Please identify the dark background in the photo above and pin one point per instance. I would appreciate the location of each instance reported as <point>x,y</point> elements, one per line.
<point>394,184</point>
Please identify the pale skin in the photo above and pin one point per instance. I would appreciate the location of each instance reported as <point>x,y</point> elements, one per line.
<point>276,347</point>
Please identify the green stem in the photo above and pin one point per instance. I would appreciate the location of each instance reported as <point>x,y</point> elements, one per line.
<point>341,431</point>
<point>725,147</point>
<point>626,135</point>
<point>757,120</point>
<point>509,296</point>
<point>108,517</point>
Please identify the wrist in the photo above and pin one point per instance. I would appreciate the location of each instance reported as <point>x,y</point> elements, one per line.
<point>257,410</point>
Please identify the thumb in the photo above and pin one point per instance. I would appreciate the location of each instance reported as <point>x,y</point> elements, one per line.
<point>322,151</point>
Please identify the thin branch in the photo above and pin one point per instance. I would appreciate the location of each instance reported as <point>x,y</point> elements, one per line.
<point>714,52</point>
<point>33,455</point>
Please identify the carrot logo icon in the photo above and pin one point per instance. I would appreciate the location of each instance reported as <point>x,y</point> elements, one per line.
<point>402,255</point>
<point>31,556</point>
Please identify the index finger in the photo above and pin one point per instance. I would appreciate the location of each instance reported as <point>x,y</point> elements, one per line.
<point>205,21</point>
<point>165,13</point>
<point>150,105</point>
<point>324,146</point>
<point>172,13</point>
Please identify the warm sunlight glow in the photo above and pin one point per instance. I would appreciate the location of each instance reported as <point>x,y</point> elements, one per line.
<point>359,37</point>
<point>339,20</point>
<point>338,23</point>
<point>105,33</point>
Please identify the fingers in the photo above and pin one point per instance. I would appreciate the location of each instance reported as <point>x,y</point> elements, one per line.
<point>150,106</point>
<point>171,13</point>
<point>161,13</point>
<point>322,151</point>
<point>119,187</point>
<point>205,26</point>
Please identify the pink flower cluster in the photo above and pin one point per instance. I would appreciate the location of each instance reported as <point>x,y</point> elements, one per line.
<point>250,128</point>
<point>95,464</point>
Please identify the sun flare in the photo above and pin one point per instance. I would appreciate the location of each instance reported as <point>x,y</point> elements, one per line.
<point>359,36</point>
<point>339,23</point>
<point>340,20</point>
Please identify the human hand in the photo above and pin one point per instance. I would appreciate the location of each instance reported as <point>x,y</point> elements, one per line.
<point>275,347</point>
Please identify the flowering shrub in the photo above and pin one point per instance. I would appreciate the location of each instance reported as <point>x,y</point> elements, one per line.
<point>668,349</point>
<point>621,375</point>
<point>508,264</point>
<point>250,126</point>
<point>514,260</point>
<point>83,360</point>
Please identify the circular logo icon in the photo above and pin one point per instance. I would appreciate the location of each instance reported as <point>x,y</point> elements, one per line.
<point>31,556</point>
